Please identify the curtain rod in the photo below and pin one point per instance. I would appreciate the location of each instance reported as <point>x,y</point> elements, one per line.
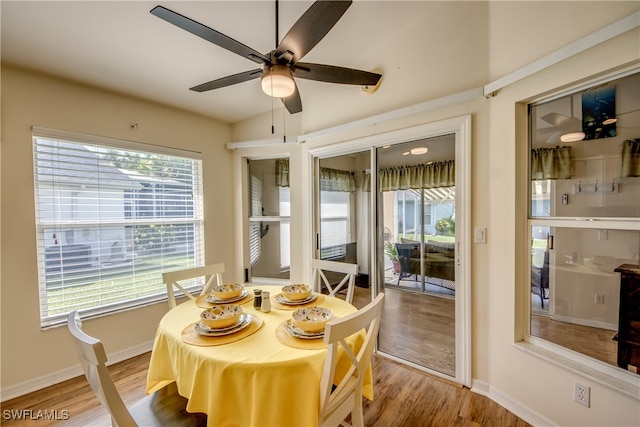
<point>593,39</point>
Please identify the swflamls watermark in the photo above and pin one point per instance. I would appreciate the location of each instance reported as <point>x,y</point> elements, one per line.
<point>35,414</point>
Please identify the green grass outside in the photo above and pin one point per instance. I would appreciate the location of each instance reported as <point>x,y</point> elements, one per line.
<point>436,237</point>
<point>539,243</point>
<point>115,287</point>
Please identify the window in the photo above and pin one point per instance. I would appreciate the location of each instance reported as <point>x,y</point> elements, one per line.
<point>255,227</point>
<point>110,218</point>
<point>437,212</point>
<point>335,230</point>
<point>427,216</point>
<point>584,215</point>
<point>269,218</point>
<point>285,211</point>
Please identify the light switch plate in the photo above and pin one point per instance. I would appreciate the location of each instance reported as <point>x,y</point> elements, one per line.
<point>480,235</point>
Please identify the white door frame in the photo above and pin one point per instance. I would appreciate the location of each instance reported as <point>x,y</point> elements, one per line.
<point>461,128</point>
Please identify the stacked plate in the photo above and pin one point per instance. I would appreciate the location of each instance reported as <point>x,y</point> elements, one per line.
<point>294,331</point>
<point>285,301</point>
<point>214,300</point>
<point>243,321</point>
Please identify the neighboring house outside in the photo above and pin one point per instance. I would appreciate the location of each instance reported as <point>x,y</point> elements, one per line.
<point>82,224</point>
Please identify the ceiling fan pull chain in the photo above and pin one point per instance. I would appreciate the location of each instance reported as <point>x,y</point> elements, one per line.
<point>272,121</point>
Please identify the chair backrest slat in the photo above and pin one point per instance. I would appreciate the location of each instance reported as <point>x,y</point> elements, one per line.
<point>336,402</point>
<point>211,272</point>
<point>319,277</point>
<point>93,360</point>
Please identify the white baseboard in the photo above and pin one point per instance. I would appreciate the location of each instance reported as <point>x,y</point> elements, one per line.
<point>585,322</point>
<point>480,387</point>
<point>517,408</point>
<point>52,378</point>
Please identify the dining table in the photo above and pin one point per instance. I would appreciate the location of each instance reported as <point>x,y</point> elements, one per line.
<point>259,376</point>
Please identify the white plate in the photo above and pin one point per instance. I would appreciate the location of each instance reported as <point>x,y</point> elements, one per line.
<point>285,301</point>
<point>212,299</point>
<point>294,331</point>
<point>244,321</point>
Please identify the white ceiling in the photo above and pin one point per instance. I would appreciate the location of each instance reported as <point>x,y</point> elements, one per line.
<point>120,46</point>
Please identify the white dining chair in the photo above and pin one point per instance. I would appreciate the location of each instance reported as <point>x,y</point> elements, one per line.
<point>165,407</point>
<point>336,402</point>
<point>212,273</point>
<point>319,277</point>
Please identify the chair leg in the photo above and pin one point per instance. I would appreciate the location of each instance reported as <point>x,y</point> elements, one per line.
<point>542,296</point>
<point>357,417</point>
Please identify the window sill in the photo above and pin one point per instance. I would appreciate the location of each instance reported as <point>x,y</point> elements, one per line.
<point>627,383</point>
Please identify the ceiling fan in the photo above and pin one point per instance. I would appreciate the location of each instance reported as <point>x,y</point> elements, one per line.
<point>281,65</point>
<point>565,128</point>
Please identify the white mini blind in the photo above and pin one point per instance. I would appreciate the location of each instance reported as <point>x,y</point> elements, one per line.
<point>335,211</point>
<point>255,237</point>
<point>285,227</point>
<point>110,219</point>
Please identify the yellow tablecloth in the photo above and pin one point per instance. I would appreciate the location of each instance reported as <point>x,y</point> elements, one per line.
<point>256,381</point>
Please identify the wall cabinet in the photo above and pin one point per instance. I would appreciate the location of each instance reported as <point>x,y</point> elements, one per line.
<point>629,317</point>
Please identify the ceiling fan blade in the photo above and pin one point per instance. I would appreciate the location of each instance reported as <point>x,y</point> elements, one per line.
<point>209,34</point>
<point>312,26</point>
<point>547,130</point>
<point>293,103</point>
<point>555,119</point>
<point>554,138</point>
<point>334,74</point>
<point>228,81</point>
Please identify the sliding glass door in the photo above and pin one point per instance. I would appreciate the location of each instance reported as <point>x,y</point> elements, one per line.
<point>417,211</point>
<point>408,218</point>
<point>343,190</point>
<point>421,232</point>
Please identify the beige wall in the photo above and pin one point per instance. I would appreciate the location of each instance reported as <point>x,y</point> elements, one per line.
<point>509,36</point>
<point>515,373</point>
<point>29,353</point>
<point>539,390</point>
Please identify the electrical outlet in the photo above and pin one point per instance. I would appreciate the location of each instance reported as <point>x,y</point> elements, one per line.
<point>582,394</point>
<point>599,299</point>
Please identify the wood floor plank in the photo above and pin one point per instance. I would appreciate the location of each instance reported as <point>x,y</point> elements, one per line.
<point>593,342</point>
<point>404,397</point>
<point>419,328</point>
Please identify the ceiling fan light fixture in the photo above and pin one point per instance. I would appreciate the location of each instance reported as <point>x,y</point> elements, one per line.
<point>416,151</point>
<point>610,121</point>
<point>572,137</point>
<point>572,130</point>
<point>277,81</point>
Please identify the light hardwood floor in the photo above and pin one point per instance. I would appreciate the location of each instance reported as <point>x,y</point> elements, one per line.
<point>419,328</point>
<point>593,342</point>
<point>404,397</point>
